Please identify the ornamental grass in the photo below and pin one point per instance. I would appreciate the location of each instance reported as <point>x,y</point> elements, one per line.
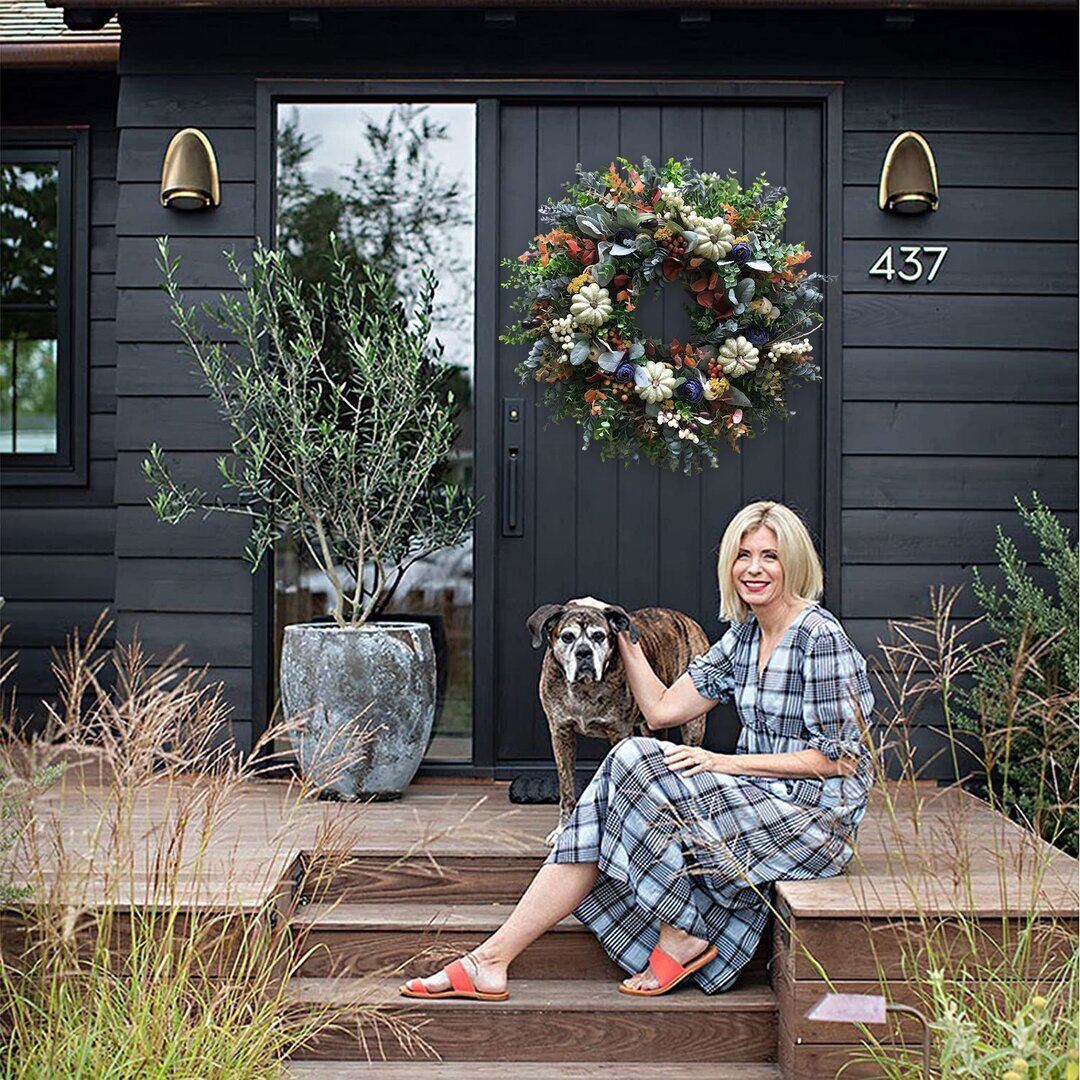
<point>1001,992</point>
<point>139,938</point>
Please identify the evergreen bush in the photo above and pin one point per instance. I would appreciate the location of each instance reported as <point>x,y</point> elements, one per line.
<point>1023,699</point>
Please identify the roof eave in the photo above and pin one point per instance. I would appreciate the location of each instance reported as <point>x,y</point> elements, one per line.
<point>716,5</point>
<point>59,54</point>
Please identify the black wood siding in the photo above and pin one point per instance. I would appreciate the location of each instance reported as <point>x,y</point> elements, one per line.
<point>57,542</point>
<point>956,395</point>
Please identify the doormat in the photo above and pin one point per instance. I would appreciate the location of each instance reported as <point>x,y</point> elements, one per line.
<point>535,788</point>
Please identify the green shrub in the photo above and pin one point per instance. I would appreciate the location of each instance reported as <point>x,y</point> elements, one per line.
<point>1023,701</point>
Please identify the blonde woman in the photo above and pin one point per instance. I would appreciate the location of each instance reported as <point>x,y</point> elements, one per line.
<point>671,851</point>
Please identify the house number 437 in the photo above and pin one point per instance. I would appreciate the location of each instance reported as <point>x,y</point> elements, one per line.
<point>912,267</point>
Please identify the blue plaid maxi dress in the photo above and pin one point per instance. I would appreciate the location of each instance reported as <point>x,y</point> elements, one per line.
<point>701,852</point>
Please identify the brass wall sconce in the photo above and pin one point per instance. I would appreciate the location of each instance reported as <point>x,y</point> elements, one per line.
<point>189,176</point>
<point>909,183</point>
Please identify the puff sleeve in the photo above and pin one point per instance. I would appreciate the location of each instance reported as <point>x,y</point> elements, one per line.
<point>837,699</point>
<point>712,674</point>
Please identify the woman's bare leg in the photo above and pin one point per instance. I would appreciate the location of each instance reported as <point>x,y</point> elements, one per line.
<point>553,894</point>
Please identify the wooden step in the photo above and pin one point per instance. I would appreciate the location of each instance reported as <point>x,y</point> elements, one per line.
<point>415,937</point>
<point>524,1070</point>
<point>477,878</point>
<point>545,1018</point>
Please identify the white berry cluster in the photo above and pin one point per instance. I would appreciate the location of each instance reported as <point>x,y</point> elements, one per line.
<point>671,419</point>
<point>676,208</point>
<point>790,348</point>
<point>562,333</point>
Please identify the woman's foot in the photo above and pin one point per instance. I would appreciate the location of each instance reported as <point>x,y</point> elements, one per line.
<point>488,975</point>
<point>679,945</point>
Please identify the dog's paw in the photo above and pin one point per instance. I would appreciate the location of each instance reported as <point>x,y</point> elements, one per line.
<point>552,837</point>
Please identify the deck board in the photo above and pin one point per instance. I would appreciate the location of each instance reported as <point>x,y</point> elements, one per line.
<point>450,858</point>
<point>914,842</point>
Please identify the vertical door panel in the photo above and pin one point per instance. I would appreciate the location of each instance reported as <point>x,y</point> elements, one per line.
<point>636,535</point>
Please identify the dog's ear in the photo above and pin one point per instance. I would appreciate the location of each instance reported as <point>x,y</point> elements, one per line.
<point>541,621</point>
<point>620,621</point>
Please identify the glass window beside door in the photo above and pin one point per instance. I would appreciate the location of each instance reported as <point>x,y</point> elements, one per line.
<point>28,307</point>
<point>396,182</point>
<point>42,358</point>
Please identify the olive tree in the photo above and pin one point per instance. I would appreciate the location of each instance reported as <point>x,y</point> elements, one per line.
<point>342,416</point>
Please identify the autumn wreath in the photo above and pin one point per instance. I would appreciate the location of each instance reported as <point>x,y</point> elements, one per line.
<point>633,226</point>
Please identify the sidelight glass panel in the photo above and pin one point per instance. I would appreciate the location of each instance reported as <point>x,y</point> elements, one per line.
<point>396,183</point>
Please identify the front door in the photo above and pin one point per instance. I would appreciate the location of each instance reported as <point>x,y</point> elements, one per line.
<point>636,536</point>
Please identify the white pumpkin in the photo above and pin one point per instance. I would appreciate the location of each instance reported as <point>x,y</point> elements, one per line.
<point>661,384</point>
<point>591,306</point>
<point>715,237</point>
<point>737,356</point>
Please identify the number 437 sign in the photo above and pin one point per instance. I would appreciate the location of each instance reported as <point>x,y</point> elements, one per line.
<point>912,262</point>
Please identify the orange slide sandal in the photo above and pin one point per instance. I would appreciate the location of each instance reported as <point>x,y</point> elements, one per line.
<point>459,980</point>
<point>669,971</point>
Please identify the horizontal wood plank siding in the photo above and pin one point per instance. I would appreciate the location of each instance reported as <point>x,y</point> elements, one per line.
<point>56,542</point>
<point>959,394</point>
<point>185,585</point>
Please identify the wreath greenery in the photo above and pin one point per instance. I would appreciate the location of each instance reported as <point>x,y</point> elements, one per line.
<point>622,230</point>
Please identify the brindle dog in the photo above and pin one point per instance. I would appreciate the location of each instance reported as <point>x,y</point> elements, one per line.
<point>583,685</point>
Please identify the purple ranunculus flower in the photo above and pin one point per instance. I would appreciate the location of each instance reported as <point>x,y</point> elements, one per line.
<point>625,237</point>
<point>757,335</point>
<point>740,252</point>
<point>624,373</point>
<point>692,390</point>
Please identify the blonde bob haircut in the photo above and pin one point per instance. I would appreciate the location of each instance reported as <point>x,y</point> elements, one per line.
<point>803,578</point>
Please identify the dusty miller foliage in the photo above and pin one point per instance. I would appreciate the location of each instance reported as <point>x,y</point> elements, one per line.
<point>347,446</point>
<point>1024,701</point>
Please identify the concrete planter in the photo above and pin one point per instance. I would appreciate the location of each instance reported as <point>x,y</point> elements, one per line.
<point>377,679</point>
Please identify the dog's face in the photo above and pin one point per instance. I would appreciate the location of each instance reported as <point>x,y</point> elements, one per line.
<point>582,639</point>
<point>582,644</point>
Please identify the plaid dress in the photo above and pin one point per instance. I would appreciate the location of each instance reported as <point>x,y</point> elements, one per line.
<point>701,852</point>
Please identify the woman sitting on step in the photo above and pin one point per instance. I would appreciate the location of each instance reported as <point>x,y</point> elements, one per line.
<point>671,852</point>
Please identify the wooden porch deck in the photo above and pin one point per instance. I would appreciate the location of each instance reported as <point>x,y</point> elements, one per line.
<point>438,870</point>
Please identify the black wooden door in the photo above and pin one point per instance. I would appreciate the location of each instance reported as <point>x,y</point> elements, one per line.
<point>636,536</point>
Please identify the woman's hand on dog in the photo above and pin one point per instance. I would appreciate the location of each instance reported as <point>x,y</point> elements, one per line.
<point>689,760</point>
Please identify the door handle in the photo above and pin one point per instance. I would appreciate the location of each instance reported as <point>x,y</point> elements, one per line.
<point>513,448</point>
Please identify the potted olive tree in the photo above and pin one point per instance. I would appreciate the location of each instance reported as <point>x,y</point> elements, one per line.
<point>343,425</point>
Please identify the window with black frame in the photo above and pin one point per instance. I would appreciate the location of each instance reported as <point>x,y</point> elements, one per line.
<point>43,285</point>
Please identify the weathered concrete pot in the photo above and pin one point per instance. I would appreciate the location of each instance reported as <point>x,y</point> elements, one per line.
<point>377,679</point>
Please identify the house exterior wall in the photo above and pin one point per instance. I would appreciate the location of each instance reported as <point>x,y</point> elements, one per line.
<point>57,563</point>
<point>956,395</point>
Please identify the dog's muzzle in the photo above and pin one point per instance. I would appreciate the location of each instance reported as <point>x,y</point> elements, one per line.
<point>585,667</point>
